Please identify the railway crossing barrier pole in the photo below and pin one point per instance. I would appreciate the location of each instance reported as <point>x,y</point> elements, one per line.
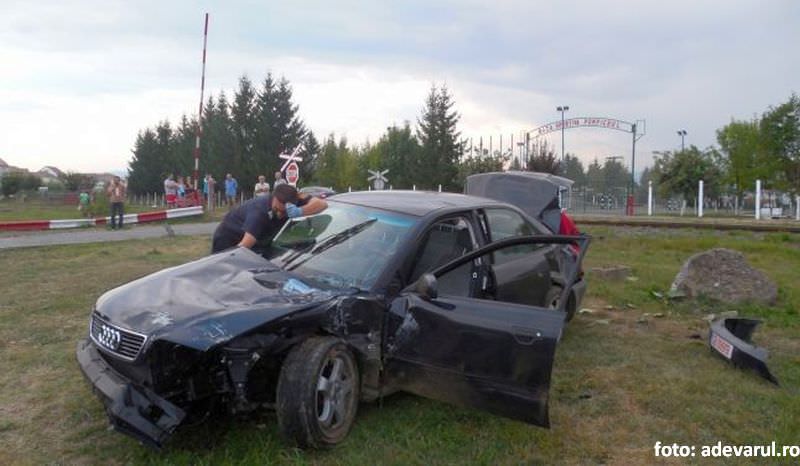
<point>758,199</point>
<point>700,199</point>
<point>797,207</point>
<point>650,198</point>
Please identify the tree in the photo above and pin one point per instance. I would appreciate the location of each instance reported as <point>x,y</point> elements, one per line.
<point>679,173</point>
<point>573,170</point>
<point>218,141</point>
<point>148,166</point>
<point>399,153</point>
<point>278,128</point>
<point>743,159</point>
<point>243,127</point>
<point>10,183</point>
<point>438,136</point>
<point>616,177</point>
<point>780,132</point>
<point>543,159</point>
<point>472,165</point>
<point>595,178</point>
<point>14,182</point>
<point>310,152</point>
<point>338,166</point>
<point>74,181</point>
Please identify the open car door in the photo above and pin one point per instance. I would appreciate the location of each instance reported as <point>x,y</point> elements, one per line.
<point>474,350</point>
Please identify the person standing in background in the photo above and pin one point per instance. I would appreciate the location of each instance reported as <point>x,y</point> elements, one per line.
<point>262,187</point>
<point>231,186</point>
<point>212,184</point>
<point>279,179</point>
<point>170,191</point>
<point>116,196</point>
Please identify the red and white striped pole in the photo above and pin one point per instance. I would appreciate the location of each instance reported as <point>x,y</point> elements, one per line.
<point>200,111</point>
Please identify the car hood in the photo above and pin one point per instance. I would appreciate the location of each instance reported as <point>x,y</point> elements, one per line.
<point>210,300</point>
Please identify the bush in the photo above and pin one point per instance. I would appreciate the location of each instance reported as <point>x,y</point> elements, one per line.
<point>99,207</point>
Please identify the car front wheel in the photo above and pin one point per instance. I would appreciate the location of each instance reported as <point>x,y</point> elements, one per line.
<point>317,396</point>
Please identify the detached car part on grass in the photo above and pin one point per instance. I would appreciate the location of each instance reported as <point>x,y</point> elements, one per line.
<point>363,300</point>
<point>730,338</point>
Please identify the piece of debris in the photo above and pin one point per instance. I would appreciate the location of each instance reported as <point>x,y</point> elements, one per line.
<point>695,336</point>
<point>658,315</point>
<point>613,273</point>
<point>632,279</point>
<point>642,320</point>
<point>585,396</point>
<point>657,294</point>
<point>602,321</point>
<point>609,307</point>
<point>675,294</point>
<point>586,311</point>
<point>630,306</point>
<point>724,275</point>
<point>730,338</point>
<point>722,315</point>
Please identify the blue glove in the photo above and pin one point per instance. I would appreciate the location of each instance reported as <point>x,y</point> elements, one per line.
<point>293,211</point>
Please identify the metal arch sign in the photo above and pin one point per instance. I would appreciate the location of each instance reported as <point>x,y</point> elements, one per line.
<point>596,122</point>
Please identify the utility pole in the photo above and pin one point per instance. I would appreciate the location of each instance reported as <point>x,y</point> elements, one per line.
<point>562,109</point>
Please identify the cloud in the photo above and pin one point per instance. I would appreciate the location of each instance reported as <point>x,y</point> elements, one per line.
<point>81,79</point>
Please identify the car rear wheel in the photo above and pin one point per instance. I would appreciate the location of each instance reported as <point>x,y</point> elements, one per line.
<point>553,298</point>
<point>317,396</point>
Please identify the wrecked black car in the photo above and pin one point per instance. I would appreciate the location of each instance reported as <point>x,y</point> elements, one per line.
<point>442,295</point>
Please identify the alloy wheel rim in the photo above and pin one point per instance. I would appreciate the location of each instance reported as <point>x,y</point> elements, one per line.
<point>335,386</point>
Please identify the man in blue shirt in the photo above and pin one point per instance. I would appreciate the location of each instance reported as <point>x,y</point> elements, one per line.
<point>259,219</point>
<point>231,187</point>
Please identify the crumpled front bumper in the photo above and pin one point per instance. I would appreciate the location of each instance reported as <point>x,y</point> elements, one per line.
<point>132,410</point>
<point>730,337</point>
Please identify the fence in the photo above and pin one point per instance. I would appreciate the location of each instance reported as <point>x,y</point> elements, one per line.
<point>612,201</point>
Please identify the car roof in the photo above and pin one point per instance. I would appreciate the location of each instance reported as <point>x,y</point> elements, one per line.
<point>417,203</point>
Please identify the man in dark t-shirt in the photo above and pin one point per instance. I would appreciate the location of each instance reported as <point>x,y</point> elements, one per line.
<point>258,220</point>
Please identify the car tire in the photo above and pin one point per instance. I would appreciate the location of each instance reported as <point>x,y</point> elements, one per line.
<point>552,299</point>
<point>318,393</point>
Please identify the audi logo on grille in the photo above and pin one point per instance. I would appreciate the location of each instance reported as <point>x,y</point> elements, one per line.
<point>108,336</point>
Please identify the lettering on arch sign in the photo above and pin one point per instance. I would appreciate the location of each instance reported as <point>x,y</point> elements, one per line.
<point>597,122</point>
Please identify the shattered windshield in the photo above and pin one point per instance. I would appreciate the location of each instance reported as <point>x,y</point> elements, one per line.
<point>344,246</point>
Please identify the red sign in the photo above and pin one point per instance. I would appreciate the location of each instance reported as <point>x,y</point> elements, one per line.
<point>292,173</point>
<point>723,347</point>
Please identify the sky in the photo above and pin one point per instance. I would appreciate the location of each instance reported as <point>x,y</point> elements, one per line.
<point>80,79</point>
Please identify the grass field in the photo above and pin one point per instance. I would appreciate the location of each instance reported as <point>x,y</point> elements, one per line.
<point>621,382</point>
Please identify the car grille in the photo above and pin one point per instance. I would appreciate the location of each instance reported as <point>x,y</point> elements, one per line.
<point>117,341</point>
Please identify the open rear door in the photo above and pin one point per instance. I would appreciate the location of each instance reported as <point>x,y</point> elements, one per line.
<point>474,350</point>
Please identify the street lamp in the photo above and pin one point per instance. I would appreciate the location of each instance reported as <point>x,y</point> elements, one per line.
<point>682,133</point>
<point>562,109</point>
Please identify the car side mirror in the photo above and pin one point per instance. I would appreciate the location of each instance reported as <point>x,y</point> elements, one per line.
<point>426,287</point>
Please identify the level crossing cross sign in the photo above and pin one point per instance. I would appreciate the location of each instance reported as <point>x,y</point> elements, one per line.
<point>290,158</point>
<point>378,178</point>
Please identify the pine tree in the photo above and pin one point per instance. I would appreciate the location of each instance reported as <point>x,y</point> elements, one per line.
<point>243,128</point>
<point>439,140</point>
<point>147,167</point>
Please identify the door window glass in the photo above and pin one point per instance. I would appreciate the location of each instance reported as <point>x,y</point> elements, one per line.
<point>445,241</point>
<point>505,223</point>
